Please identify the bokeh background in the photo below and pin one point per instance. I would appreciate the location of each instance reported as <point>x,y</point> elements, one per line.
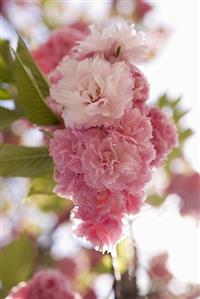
<point>173,27</point>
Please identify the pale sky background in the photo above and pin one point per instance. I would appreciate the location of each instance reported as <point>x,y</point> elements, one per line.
<point>177,70</point>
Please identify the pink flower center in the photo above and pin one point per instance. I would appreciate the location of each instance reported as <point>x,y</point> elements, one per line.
<point>109,160</point>
<point>90,90</point>
<point>95,97</point>
<point>107,157</point>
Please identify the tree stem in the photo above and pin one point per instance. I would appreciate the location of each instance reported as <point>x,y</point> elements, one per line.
<point>117,275</point>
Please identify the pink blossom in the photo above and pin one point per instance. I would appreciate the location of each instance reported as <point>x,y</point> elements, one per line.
<point>135,127</point>
<point>81,26</point>
<point>92,204</point>
<point>164,134</point>
<point>114,159</point>
<point>95,257</point>
<point>65,151</point>
<point>59,44</point>
<point>2,6</point>
<point>19,292</point>
<point>141,8</point>
<point>45,284</point>
<point>140,89</point>
<point>68,267</point>
<point>104,158</point>
<point>115,43</point>
<point>48,284</point>
<point>92,91</point>
<point>54,106</point>
<point>141,86</point>
<point>90,294</point>
<point>105,170</point>
<point>98,216</point>
<point>109,161</point>
<point>133,204</point>
<point>103,231</point>
<point>188,188</point>
<point>158,268</point>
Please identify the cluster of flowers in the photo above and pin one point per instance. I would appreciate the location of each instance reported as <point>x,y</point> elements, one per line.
<point>160,280</point>
<point>141,9</point>
<point>187,187</point>
<point>45,284</point>
<point>61,41</point>
<point>59,282</point>
<point>111,139</point>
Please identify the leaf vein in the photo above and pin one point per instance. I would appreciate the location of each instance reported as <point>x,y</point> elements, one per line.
<point>26,157</point>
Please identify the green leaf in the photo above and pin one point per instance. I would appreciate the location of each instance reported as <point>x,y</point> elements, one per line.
<point>7,117</point>
<point>24,161</point>
<point>166,101</point>
<point>5,94</point>
<point>41,193</point>
<point>6,62</point>
<point>163,101</point>
<point>28,61</point>
<point>4,71</point>
<point>175,153</point>
<point>5,51</point>
<point>155,200</point>
<point>42,185</point>
<point>176,102</point>
<point>17,261</point>
<point>178,114</point>
<point>50,202</point>
<point>105,266</point>
<point>30,96</point>
<point>185,134</point>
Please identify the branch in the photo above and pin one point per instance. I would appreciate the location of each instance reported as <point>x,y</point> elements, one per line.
<point>116,275</point>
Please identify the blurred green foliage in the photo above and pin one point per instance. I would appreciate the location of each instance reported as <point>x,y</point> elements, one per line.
<point>17,262</point>
<point>41,193</point>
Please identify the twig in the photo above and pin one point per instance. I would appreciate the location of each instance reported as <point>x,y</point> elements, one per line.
<point>117,275</point>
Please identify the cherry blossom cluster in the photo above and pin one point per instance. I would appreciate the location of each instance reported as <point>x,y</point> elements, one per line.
<point>59,282</point>
<point>111,139</point>
<point>187,187</point>
<point>45,284</point>
<point>50,53</point>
